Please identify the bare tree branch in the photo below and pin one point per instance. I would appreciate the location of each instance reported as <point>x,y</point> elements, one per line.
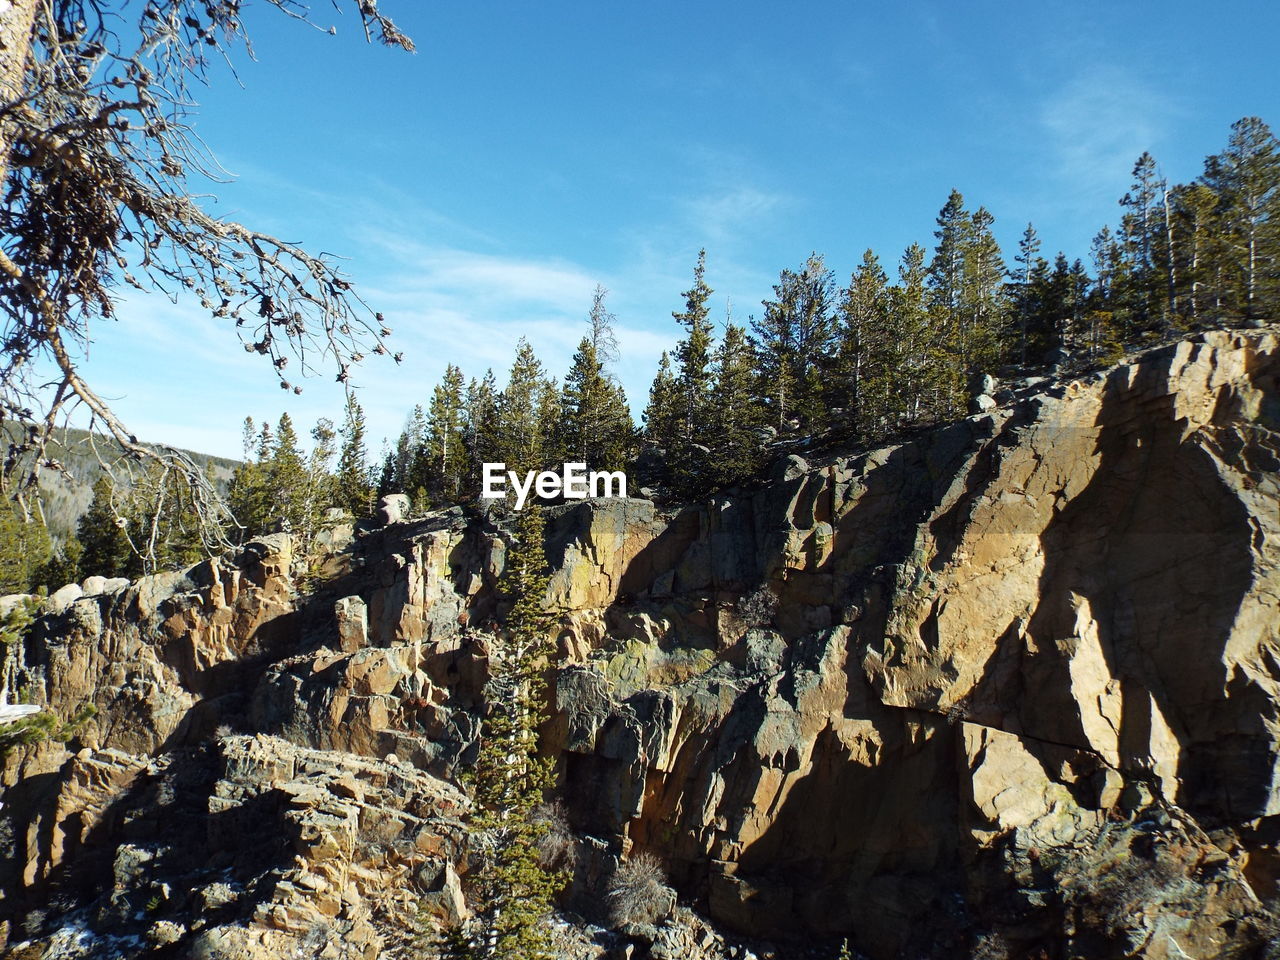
<point>97,151</point>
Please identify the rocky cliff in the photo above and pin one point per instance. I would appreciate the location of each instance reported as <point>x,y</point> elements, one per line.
<point>1007,689</point>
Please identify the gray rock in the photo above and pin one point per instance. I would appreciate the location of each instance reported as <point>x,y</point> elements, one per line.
<point>353,623</point>
<point>446,900</point>
<point>12,712</point>
<point>62,598</point>
<point>96,586</point>
<point>9,601</point>
<point>794,466</point>
<point>982,403</point>
<point>393,508</point>
<point>982,383</point>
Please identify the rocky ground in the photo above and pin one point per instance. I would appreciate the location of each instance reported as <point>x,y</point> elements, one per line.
<point>1008,689</point>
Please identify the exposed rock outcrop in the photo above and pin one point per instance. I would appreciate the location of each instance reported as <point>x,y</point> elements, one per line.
<point>1018,691</point>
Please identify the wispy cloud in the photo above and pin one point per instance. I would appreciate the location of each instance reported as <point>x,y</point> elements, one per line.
<point>720,215</point>
<point>1098,123</point>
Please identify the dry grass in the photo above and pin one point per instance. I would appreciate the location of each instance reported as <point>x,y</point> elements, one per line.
<point>638,891</point>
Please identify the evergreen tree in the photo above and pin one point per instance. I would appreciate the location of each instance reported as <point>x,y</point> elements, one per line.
<point>287,479</point>
<point>445,454</point>
<point>985,304</point>
<point>1195,209</point>
<point>1245,177</point>
<point>481,432</point>
<point>25,549</point>
<point>966,299</point>
<point>735,414</point>
<point>596,426</point>
<point>63,566</point>
<point>522,431</point>
<point>1142,238</point>
<point>793,341</point>
<point>1110,271</point>
<point>352,484</point>
<point>662,419</point>
<point>514,893</point>
<point>162,523</point>
<point>321,493</point>
<point>409,466</point>
<point>100,532</point>
<point>693,353</point>
<point>551,450</point>
<point>250,496</point>
<point>909,371</point>
<point>947,269</point>
<point>863,315</point>
<point>1024,299</point>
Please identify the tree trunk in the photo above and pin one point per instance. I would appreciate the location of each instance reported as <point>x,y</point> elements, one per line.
<point>17,18</point>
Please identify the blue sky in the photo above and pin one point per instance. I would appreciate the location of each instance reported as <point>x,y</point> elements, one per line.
<point>483,186</point>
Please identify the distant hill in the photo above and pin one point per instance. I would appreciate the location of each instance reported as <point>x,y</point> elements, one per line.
<point>66,495</point>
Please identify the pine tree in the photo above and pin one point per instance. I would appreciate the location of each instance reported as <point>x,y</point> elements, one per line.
<point>250,498</point>
<point>321,492</point>
<point>966,299</point>
<point>63,566</point>
<point>1110,271</point>
<point>514,893</point>
<point>410,463</point>
<point>662,420</point>
<point>353,489</point>
<point>481,432</point>
<point>522,433</point>
<point>596,426</point>
<point>734,415</point>
<point>100,531</point>
<point>985,303</point>
<point>286,479</point>
<point>550,415</point>
<point>793,341</point>
<point>1195,209</point>
<point>25,549</point>
<point>693,353</point>
<point>947,269</point>
<point>1142,237</point>
<point>863,315</point>
<point>445,456</point>
<point>909,370</point>
<point>1024,299</point>
<point>1245,177</point>
<point>162,523</point>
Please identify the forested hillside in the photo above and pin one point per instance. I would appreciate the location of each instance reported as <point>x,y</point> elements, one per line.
<point>34,549</point>
<point>828,363</point>
<point>901,344</point>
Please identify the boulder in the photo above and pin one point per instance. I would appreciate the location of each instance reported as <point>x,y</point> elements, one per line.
<point>393,508</point>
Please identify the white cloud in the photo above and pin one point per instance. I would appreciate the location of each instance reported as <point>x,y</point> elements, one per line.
<point>722,214</point>
<point>1098,124</point>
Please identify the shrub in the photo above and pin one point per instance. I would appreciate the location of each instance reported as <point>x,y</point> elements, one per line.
<point>638,892</point>
<point>556,849</point>
<point>758,607</point>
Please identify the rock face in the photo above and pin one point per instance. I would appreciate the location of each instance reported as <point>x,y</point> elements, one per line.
<point>1018,691</point>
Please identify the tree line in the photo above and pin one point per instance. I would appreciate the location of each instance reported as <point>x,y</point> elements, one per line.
<point>867,360</point>
<point>858,362</point>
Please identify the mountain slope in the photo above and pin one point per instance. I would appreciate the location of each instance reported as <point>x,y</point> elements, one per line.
<point>66,493</point>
